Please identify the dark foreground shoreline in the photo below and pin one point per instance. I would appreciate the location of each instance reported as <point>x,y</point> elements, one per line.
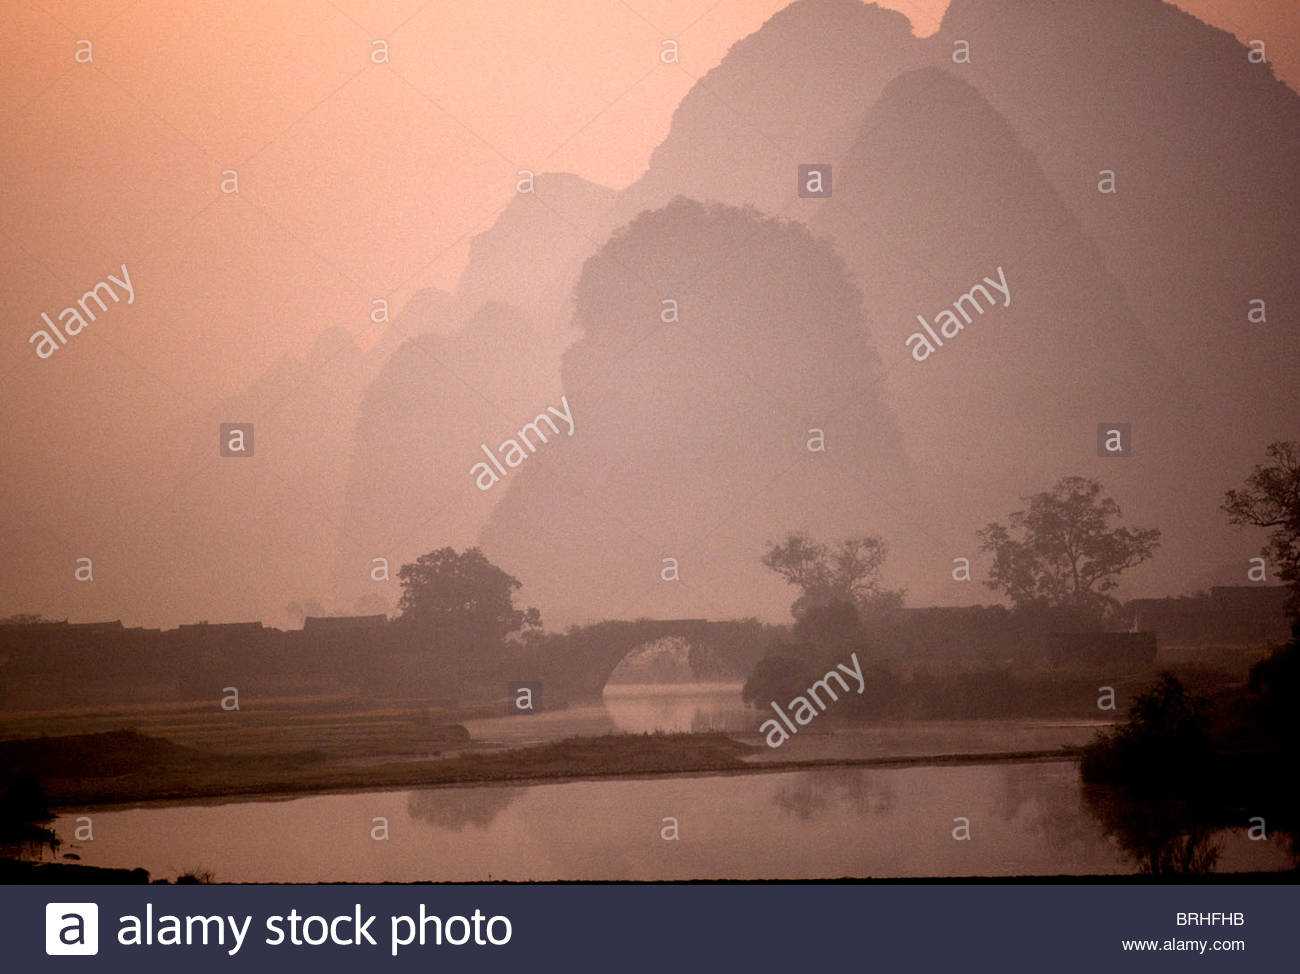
<point>15,872</point>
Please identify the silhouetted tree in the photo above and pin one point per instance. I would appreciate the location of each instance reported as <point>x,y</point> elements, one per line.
<point>773,678</point>
<point>848,573</point>
<point>1275,682</point>
<point>23,814</point>
<point>1151,782</point>
<point>829,624</point>
<point>462,594</point>
<point>1271,499</point>
<point>1165,744</point>
<point>1068,555</point>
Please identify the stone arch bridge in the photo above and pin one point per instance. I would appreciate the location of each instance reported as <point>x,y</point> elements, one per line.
<point>577,665</point>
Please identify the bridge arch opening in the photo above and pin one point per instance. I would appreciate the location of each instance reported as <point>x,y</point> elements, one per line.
<point>582,663</point>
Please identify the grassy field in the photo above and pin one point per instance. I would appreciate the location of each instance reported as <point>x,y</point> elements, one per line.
<point>338,728</point>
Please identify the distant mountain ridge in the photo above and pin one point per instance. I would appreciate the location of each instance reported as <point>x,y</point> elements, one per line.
<point>943,172</point>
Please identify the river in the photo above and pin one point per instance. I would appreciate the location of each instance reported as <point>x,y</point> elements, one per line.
<point>983,819</point>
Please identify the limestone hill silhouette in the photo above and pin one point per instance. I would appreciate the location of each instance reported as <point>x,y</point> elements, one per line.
<point>692,440</point>
<point>419,430</point>
<point>1204,144</point>
<point>936,194</point>
<point>486,358</point>
<point>792,92</point>
<point>531,256</point>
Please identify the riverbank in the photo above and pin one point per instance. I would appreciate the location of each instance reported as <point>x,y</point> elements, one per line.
<point>151,771</point>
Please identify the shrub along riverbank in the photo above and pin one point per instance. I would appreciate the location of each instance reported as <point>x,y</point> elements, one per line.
<point>1183,767</point>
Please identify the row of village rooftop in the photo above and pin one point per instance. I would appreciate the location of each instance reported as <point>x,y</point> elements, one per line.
<point>47,664</point>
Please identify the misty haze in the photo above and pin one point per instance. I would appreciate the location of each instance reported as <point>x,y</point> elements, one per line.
<point>571,441</point>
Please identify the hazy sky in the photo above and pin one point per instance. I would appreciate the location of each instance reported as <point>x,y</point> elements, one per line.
<point>360,179</point>
<point>356,181</point>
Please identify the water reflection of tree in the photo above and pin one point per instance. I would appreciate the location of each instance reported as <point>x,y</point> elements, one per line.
<point>810,795</point>
<point>456,808</point>
<point>1147,782</point>
<point>1166,835</point>
<point>23,818</point>
<point>1163,785</point>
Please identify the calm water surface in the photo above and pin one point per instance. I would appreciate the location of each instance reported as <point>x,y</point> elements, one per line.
<point>1026,818</point>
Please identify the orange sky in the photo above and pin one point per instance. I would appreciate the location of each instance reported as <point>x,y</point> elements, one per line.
<point>357,180</point>
<point>365,179</point>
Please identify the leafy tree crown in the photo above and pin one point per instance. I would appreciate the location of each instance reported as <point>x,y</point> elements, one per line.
<point>1062,551</point>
